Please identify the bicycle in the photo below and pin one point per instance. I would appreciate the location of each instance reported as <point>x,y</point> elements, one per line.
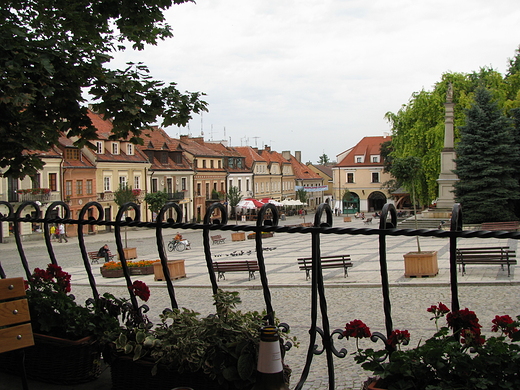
<point>176,245</point>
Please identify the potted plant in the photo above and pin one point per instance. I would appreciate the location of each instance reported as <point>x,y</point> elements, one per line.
<point>464,359</point>
<point>114,269</point>
<point>68,337</point>
<point>407,172</point>
<point>185,349</point>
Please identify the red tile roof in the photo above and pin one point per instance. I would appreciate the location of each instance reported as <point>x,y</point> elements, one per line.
<point>367,147</point>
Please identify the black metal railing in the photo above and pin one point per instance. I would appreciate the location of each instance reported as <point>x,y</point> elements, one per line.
<point>322,225</point>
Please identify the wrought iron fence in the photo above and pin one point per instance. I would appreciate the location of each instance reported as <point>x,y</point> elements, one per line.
<point>267,221</point>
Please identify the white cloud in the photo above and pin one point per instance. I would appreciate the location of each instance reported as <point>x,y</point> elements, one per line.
<point>318,75</point>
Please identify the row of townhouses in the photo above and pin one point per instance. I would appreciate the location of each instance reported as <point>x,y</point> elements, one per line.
<point>193,172</point>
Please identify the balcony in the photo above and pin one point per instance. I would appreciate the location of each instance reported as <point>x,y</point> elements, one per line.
<point>176,195</point>
<point>42,195</point>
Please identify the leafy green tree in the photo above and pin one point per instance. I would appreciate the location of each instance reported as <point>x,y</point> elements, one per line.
<point>53,52</point>
<point>302,195</point>
<point>234,197</point>
<point>122,195</point>
<point>485,156</point>
<point>407,172</point>
<point>156,200</point>
<point>324,159</point>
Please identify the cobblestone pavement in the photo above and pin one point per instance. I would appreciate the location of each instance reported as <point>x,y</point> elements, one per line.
<point>485,289</point>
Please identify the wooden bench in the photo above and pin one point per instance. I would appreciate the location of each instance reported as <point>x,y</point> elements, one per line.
<point>221,267</point>
<point>218,239</point>
<point>94,258</point>
<point>367,221</point>
<point>490,255</point>
<point>337,261</point>
<point>507,226</point>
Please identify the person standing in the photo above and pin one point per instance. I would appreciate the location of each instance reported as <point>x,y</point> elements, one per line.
<point>61,233</point>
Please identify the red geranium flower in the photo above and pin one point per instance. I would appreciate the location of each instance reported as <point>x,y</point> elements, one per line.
<point>141,290</point>
<point>398,337</point>
<point>357,329</point>
<point>438,311</point>
<point>505,324</point>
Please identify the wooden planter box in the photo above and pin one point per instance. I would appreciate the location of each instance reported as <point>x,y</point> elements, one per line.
<point>347,219</point>
<point>111,273</point>
<point>253,236</point>
<point>421,264</point>
<point>130,253</point>
<point>148,270</point>
<point>241,236</point>
<point>175,268</point>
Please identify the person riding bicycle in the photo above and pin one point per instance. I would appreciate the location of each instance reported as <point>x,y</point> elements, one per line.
<point>178,238</point>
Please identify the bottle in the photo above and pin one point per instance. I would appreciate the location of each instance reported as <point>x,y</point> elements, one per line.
<point>269,369</point>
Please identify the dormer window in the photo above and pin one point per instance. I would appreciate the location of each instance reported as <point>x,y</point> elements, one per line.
<point>115,148</point>
<point>130,149</point>
<point>99,147</point>
<point>374,158</point>
<point>360,159</point>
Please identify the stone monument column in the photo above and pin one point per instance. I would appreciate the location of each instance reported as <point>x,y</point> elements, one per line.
<point>447,178</point>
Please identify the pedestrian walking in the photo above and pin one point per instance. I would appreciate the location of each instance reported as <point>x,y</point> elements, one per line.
<point>61,233</point>
<point>53,232</point>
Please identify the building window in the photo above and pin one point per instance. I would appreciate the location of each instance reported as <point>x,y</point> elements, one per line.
<point>360,159</point>
<point>53,181</point>
<point>219,164</point>
<point>106,183</point>
<point>89,187</point>
<point>130,149</point>
<point>207,191</point>
<point>99,147</point>
<point>154,185</point>
<point>239,163</point>
<point>198,189</point>
<point>375,177</point>
<point>164,158</point>
<point>123,182</point>
<point>183,184</point>
<point>79,187</point>
<point>247,185</point>
<point>68,188</point>
<point>72,154</point>
<point>115,148</point>
<point>212,164</point>
<point>374,159</point>
<point>203,163</point>
<point>350,177</point>
<point>137,182</point>
<point>240,185</point>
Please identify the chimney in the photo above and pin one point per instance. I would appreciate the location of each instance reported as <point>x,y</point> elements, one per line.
<point>298,155</point>
<point>286,154</point>
<point>267,148</point>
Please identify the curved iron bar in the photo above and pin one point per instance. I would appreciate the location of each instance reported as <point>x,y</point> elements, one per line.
<point>317,289</point>
<point>380,336</point>
<point>10,208</point>
<point>205,238</point>
<point>81,242</point>
<point>162,252</point>
<point>455,226</point>
<point>343,351</point>
<point>121,252</point>
<point>260,223</point>
<point>18,237</point>
<point>46,230</point>
<point>384,224</point>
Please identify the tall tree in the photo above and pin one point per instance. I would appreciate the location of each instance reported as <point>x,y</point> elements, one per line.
<point>324,159</point>
<point>485,156</point>
<point>156,200</point>
<point>302,195</point>
<point>122,195</point>
<point>234,197</point>
<point>53,52</point>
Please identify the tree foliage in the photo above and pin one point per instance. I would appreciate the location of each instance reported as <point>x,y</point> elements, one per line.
<point>53,52</point>
<point>234,197</point>
<point>302,195</point>
<point>485,161</point>
<point>156,200</point>
<point>124,194</point>
<point>418,127</point>
<point>323,159</point>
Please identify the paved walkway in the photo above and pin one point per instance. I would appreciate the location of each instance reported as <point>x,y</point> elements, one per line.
<point>486,289</point>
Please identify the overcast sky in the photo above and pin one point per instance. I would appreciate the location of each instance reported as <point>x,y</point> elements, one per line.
<point>318,75</point>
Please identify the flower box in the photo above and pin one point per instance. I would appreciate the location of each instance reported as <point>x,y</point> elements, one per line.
<point>420,264</point>
<point>130,253</point>
<point>175,268</point>
<point>240,236</point>
<point>56,360</point>
<point>128,374</point>
<point>264,235</point>
<point>111,273</point>
<point>147,270</point>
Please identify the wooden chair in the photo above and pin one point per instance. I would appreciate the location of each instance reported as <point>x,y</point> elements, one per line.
<point>15,320</point>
